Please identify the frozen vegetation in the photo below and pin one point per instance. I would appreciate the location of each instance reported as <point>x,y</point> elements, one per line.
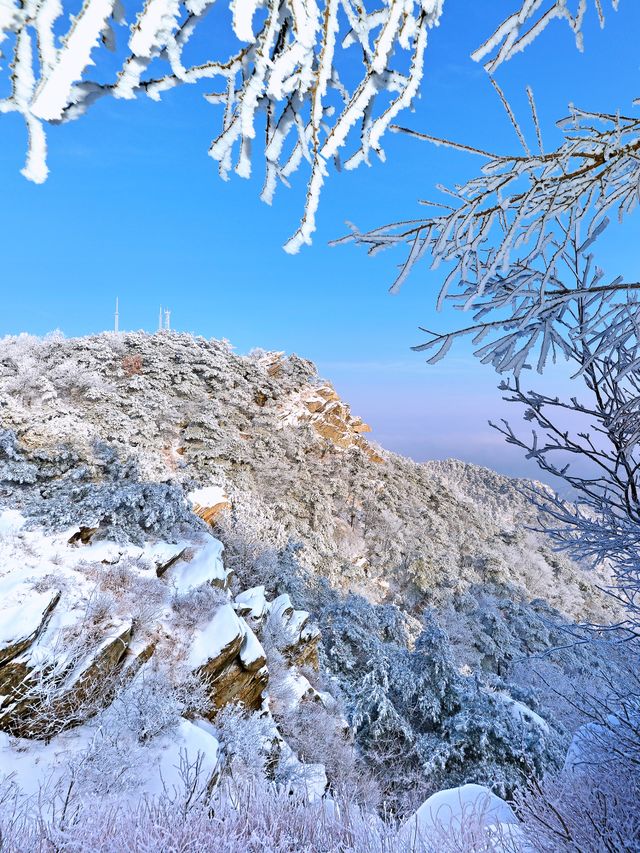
<point>229,622</point>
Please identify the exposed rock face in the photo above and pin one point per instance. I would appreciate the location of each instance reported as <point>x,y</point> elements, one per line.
<point>209,502</point>
<point>236,684</point>
<point>234,669</point>
<point>305,652</point>
<point>42,700</point>
<point>331,418</point>
<point>210,513</point>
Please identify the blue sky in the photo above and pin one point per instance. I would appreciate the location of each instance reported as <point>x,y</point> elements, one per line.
<point>134,208</point>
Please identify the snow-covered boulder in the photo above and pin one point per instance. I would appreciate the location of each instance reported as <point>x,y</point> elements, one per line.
<point>252,602</point>
<point>467,812</point>
<point>252,655</point>
<point>62,690</point>
<point>213,646</point>
<point>230,660</point>
<point>23,615</point>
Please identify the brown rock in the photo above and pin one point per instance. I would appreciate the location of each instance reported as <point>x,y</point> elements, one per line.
<point>210,513</point>
<point>83,536</point>
<point>236,684</point>
<point>214,667</point>
<point>34,711</point>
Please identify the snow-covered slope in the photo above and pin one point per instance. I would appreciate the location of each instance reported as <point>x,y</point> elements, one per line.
<point>386,607</point>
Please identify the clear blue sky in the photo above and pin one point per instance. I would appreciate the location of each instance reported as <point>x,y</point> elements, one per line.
<point>134,208</point>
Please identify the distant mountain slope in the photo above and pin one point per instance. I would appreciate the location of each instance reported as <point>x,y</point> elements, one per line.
<point>183,410</point>
<point>430,589</point>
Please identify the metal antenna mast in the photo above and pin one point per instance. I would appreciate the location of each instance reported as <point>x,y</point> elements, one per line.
<point>160,319</point>
<point>116,322</point>
<point>167,318</point>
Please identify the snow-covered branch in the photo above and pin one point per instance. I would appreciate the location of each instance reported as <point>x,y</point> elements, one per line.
<point>316,78</point>
<point>511,235</point>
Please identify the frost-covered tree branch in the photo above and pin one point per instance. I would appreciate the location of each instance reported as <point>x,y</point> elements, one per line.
<point>517,31</point>
<point>591,440</point>
<point>506,238</point>
<point>313,78</point>
<point>516,242</point>
<point>320,82</point>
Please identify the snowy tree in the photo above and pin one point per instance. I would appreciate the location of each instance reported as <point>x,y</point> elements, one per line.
<point>518,245</point>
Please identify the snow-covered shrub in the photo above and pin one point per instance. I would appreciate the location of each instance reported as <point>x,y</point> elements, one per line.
<point>247,741</point>
<point>590,811</point>
<point>265,820</point>
<point>153,702</point>
<point>196,605</point>
<point>14,469</point>
<point>100,607</point>
<point>321,735</point>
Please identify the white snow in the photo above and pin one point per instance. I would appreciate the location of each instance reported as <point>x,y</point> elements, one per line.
<point>205,567</point>
<point>38,765</point>
<point>54,93</point>
<point>22,611</point>
<point>254,601</point>
<point>307,781</point>
<point>281,607</point>
<point>10,522</point>
<point>164,756</point>
<point>251,649</point>
<point>208,496</point>
<point>523,712</point>
<point>449,811</point>
<point>208,642</point>
<point>586,737</point>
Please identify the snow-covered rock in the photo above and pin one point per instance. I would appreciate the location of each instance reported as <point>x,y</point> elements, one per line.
<point>252,602</point>
<point>468,811</point>
<point>217,642</point>
<point>203,566</point>
<point>23,615</point>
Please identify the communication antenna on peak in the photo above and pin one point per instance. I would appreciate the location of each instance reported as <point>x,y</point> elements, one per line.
<point>116,319</point>
<point>167,319</point>
<point>160,319</point>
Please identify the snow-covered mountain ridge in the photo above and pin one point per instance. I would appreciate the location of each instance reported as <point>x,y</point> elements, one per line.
<point>369,625</point>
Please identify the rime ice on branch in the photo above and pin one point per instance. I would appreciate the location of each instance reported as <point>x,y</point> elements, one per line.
<point>294,62</point>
